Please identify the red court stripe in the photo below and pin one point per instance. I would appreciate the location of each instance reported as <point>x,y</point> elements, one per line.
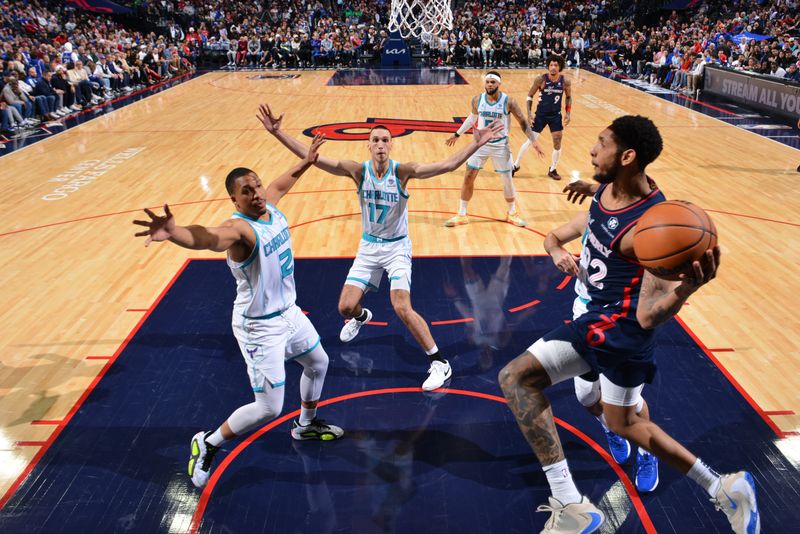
<point>732,380</point>
<point>30,443</point>
<point>779,412</point>
<point>99,357</point>
<point>47,421</point>
<point>707,105</point>
<point>564,282</point>
<point>35,460</point>
<point>528,305</point>
<point>791,433</point>
<point>205,497</point>
<point>136,309</point>
<point>453,321</point>
<point>377,323</point>
<point>567,321</point>
<point>722,350</point>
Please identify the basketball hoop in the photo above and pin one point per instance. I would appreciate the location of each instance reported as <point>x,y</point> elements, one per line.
<point>420,18</point>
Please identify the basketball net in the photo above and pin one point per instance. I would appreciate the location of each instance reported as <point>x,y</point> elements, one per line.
<point>420,18</point>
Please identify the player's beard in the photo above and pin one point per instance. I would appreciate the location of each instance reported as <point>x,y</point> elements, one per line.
<point>611,175</point>
<point>491,92</point>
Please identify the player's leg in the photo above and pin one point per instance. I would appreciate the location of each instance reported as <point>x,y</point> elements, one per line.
<point>261,343</point>
<point>305,348</point>
<point>523,382</point>
<point>732,493</point>
<point>557,130</point>
<point>364,275</point>
<point>501,159</point>
<point>537,127</point>
<point>474,165</point>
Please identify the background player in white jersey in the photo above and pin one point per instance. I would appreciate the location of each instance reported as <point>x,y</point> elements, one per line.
<point>555,88</point>
<point>491,105</point>
<point>382,189</point>
<point>267,323</point>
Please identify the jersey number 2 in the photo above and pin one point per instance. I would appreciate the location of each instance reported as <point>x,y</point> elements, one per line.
<point>287,263</point>
<point>383,208</point>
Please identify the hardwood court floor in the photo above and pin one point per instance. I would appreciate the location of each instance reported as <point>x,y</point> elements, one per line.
<point>75,281</point>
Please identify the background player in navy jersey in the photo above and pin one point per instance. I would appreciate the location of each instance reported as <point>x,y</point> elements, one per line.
<point>615,337</point>
<point>555,88</point>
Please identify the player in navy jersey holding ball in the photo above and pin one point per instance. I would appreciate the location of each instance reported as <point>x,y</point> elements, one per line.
<point>615,336</point>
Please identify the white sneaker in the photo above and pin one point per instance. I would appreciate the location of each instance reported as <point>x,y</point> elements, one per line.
<point>576,518</point>
<point>317,429</point>
<point>737,498</point>
<point>351,328</point>
<point>438,373</point>
<point>200,459</point>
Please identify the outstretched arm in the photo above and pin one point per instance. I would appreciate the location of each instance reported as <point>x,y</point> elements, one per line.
<point>195,237</point>
<point>482,136</point>
<point>525,125</point>
<point>556,239</point>
<point>283,183</point>
<point>578,190</point>
<point>660,300</point>
<point>567,100</point>
<point>272,124</point>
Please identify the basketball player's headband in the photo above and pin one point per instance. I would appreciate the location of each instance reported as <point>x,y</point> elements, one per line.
<point>492,76</point>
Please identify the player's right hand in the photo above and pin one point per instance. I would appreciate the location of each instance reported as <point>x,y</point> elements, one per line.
<point>490,133</point>
<point>158,228</point>
<point>577,191</point>
<point>565,261</point>
<point>451,140</point>
<point>271,123</point>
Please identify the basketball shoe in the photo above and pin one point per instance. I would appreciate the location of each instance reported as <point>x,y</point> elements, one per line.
<point>351,327</point>
<point>646,471</point>
<point>576,518</point>
<point>438,373</point>
<point>552,173</point>
<point>317,429</point>
<point>458,220</point>
<point>620,447</point>
<point>515,219</point>
<point>202,454</point>
<point>737,498</point>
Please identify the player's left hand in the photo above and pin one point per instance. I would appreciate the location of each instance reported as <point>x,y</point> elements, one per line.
<point>450,141</point>
<point>538,148</point>
<point>702,272</point>
<point>567,117</point>
<point>271,123</point>
<point>158,228</point>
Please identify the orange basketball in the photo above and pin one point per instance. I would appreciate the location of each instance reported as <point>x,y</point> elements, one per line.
<point>671,235</point>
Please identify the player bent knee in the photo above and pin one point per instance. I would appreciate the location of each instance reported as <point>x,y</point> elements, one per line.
<point>524,369</point>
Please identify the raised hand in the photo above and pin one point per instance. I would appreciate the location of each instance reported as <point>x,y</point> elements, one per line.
<point>577,191</point>
<point>491,132</point>
<point>158,228</point>
<point>271,123</point>
<point>313,150</point>
<point>450,141</point>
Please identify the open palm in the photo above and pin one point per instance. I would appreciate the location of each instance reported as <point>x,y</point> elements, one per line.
<point>271,123</point>
<point>158,228</point>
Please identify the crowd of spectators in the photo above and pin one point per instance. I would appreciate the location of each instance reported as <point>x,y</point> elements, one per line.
<point>58,60</point>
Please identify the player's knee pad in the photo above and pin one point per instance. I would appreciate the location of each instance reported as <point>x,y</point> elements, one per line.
<point>508,185</point>
<point>266,407</point>
<point>315,362</point>
<point>588,393</point>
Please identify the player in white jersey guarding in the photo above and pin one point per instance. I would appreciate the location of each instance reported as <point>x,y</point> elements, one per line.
<point>383,194</point>
<point>267,323</point>
<point>492,105</point>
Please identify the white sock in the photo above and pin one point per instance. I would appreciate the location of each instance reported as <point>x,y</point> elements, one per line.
<point>561,484</point>
<point>512,206</point>
<point>216,438</point>
<point>462,207</point>
<point>525,146</point>
<point>556,154</point>
<point>433,350</point>
<point>307,415</point>
<point>705,476</point>
<point>602,419</point>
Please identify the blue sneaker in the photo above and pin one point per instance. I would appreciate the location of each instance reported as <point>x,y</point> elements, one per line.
<point>619,447</point>
<point>646,471</point>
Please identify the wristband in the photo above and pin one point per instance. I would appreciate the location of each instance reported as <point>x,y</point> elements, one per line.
<point>530,98</point>
<point>568,109</point>
<point>456,134</point>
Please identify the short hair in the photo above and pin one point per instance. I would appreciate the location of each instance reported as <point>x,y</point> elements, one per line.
<point>639,134</point>
<point>234,175</point>
<point>379,127</point>
<point>494,72</point>
<point>558,59</point>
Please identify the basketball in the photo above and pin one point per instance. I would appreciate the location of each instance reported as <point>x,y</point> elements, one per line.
<point>671,235</point>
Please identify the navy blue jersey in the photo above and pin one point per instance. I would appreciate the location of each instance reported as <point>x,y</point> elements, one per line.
<point>608,335</point>
<point>550,99</point>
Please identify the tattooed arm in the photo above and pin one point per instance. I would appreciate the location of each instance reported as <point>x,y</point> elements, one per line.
<point>660,300</point>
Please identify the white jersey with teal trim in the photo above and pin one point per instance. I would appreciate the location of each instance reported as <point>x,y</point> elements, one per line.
<point>582,292</point>
<point>265,280</point>
<point>384,204</point>
<point>489,112</point>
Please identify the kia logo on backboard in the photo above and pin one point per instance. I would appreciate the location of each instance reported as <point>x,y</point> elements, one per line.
<point>395,51</point>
